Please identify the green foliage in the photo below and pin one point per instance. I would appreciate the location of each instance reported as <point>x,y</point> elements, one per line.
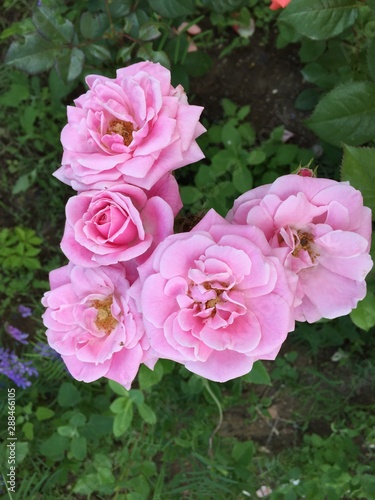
<point>236,161</point>
<point>346,114</point>
<point>302,424</point>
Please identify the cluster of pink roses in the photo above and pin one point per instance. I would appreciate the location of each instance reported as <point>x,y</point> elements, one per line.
<point>216,298</point>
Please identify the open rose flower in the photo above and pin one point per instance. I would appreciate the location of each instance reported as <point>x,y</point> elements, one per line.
<point>134,128</point>
<point>114,225</point>
<point>213,300</point>
<point>279,4</point>
<point>93,323</point>
<point>321,231</point>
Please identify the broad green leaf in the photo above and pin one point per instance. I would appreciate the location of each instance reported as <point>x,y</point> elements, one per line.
<point>307,99</point>
<point>371,59</point>
<point>68,395</point>
<point>99,52</point>
<point>242,178</point>
<point>147,53</point>
<point>358,167</point>
<point>78,448</point>
<point>172,8</point>
<point>28,430</point>
<point>118,388</point>
<point>43,413</point>
<point>258,374</point>
<point>256,157</point>
<point>123,420</point>
<point>91,26</point>
<point>136,396</point>
<point>147,378</point>
<point>55,446</point>
<point>48,23</point>
<point>190,194</point>
<point>119,8</point>
<point>146,413</point>
<point>243,452</point>
<point>149,31</point>
<point>346,114</point>
<point>15,95</point>
<point>197,63</point>
<point>119,404</point>
<point>364,314</point>
<point>35,55</point>
<point>320,19</point>
<point>75,66</point>
<point>230,136</point>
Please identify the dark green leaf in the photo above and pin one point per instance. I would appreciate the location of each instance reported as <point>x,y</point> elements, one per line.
<point>123,420</point>
<point>48,24</point>
<point>346,114</point>
<point>358,167</point>
<point>307,99</point>
<point>242,179</point>
<point>320,19</point>
<point>68,395</point>
<point>33,56</point>
<point>147,378</point>
<point>371,59</point>
<point>78,448</point>
<point>364,314</point>
<point>172,8</point>
<point>258,374</point>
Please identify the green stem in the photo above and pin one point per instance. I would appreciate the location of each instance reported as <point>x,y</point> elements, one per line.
<point>210,441</point>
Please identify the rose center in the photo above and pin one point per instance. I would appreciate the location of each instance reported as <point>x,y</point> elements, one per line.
<point>104,319</point>
<point>303,241</point>
<point>125,129</point>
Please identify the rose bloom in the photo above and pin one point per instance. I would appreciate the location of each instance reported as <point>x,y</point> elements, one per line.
<point>114,225</point>
<point>279,4</point>
<point>93,323</point>
<point>321,231</point>
<point>213,300</point>
<point>134,128</point>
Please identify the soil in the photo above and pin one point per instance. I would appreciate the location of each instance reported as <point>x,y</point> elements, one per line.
<point>260,75</point>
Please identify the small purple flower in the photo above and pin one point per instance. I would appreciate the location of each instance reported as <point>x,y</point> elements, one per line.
<point>17,334</point>
<point>25,311</point>
<point>46,351</point>
<point>16,369</point>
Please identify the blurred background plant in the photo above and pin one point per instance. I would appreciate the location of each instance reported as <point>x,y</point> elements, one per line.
<point>301,426</point>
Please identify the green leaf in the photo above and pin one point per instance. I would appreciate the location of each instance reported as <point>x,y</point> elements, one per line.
<point>242,179</point>
<point>78,448</point>
<point>149,31</point>
<point>363,315</point>
<point>48,23</point>
<point>118,388</point>
<point>256,157</point>
<point>320,19</point>
<point>172,8</point>
<point>123,420</point>
<point>55,446</point>
<point>230,136</point>
<point>119,404</point>
<point>190,194</point>
<point>28,430</point>
<point>257,375</point>
<point>147,378</point>
<point>307,99</point>
<point>44,413</point>
<point>197,63</point>
<point>15,95</point>
<point>99,52</point>
<point>147,53</point>
<point>35,55</point>
<point>92,27</point>
<point>346,114</point>
<point>371,59</point>
<point>358,167</point>
<point>146,413</point>
<point>68,395</point>
<point>136,396</point>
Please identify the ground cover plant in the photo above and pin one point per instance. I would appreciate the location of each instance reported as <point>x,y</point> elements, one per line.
<point>285,89</point>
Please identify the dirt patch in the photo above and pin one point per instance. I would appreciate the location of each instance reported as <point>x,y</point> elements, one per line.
<point>260,75</point>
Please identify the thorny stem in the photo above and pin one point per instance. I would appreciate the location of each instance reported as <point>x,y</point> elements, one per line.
<point>210,441</point>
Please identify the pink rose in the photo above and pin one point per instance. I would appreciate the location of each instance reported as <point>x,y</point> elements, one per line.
<point>134,129</point>
<point>93,323</point>
<point>321,231</point>
<point>213,300</point>
<point>279,4</point>
<point>113,225</point>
